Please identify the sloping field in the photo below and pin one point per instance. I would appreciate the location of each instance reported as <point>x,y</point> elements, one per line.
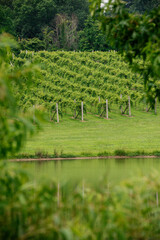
<point>67,78</point>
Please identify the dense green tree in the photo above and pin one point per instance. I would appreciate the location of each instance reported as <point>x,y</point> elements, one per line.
<point>91,37</point>
<point>8,3</point>
<point>135,36</point>
<point>142,6</point>
<point>33,44</point>
<point>55,23</point>
<point>29,19</point>
<point>6,19</point>
<point>31,16</point>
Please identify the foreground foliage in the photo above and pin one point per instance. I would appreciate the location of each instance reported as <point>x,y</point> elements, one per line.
<point>14,126</point>
<point>32,211</point>
<point>136,37</point>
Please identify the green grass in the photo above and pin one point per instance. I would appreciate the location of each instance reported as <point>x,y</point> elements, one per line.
<point>120,135</point>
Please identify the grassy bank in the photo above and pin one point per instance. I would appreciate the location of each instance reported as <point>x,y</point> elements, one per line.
<point>120,135</point>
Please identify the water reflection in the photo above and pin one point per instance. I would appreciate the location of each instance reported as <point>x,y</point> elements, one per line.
<point>120,160</point>
<point>92,171</point>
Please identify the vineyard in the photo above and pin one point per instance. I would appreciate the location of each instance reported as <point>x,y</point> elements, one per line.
<point>100,81</point>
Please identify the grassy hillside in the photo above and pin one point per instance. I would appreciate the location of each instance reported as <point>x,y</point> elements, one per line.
<point>138,135</point>
<point>67,78</point>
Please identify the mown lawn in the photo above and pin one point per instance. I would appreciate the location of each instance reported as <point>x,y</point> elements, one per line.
<point>98,136</point>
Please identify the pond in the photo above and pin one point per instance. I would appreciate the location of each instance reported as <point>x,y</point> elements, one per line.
<point>92,171</point>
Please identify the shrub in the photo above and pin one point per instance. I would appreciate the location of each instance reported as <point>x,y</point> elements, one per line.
<point>33,44</point>
<point>120,152</point>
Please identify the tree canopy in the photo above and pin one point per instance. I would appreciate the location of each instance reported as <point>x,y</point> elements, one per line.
<point>42,19</point>
<point>142,6</point>
<point>92,38</point>
<point>137,37</point>
<point>38,19</point>
<point>30,16</point>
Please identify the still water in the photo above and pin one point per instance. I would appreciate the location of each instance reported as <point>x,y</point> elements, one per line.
<point>92,171</point>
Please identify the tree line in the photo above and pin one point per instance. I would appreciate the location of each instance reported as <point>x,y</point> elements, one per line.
<point>51,24</point>
<point>54,24</point>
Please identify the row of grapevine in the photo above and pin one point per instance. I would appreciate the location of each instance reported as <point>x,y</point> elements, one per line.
<point>68,78</point>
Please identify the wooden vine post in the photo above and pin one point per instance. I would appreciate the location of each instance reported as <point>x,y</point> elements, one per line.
<point>34,117</point>
<point>121,105</point>
<point>82,110</point>
<point>129,106</point>
<point>155,109</point>
<point>107,108</point>
<point>57,112</point>
<point>75,109</point>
